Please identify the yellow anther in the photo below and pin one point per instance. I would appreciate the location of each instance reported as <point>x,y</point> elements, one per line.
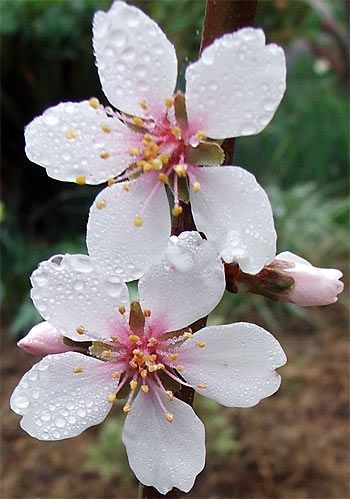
<point>137,351</point>
<point>181,170</point>
<point>148,154</point>
<point>134,151</point>
<point>164,158</point>
<point>176,131</point>
<point>152,368</point>
<point>101,204</point>
<point>95,103</point>
<point>147,138</point>
<point>134,338</point>
<point>144,373</point>
<point>160,366</point>
<point>133,385</point>
<point>106,128</point>
<point>104,155</point>
<point>80,329</point>
<point>80,180</point>
<point>200,134</point>
<point>176,211</point>
<point>111,397</point>
<point>145,388</point>
<point>153,341</point>
<point>138,121</point>
<point>196,186</point>
<point>147,313</point>
<point>106,354</point>
<point>200,344</point>
<point>138,221</point>
<point>157,164</point>
<point>153,148</point>
<point>153,357</point>
<point>169,102</point>
<point>147,167</point>
<point>169,417</point>
<point>132,364</point>
<point>143,104</point>
<point>116,375</point>
<point>169,394</point>
<point>111,181</point>
<point>122,309</point>
<point>163,178</point>
<point>179,368</point>
<point>173,356</point>
<point>201,385</point>
<point>114,338</point>
<point>71,134</point>
<point>187,335</point>
<point>78,370</point>
<point>127,408</point>
<point>126,186</point>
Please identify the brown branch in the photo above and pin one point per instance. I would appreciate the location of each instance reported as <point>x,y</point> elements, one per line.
<point>221,16</point>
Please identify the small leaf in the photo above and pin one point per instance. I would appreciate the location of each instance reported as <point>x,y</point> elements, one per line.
<point>206,153</point>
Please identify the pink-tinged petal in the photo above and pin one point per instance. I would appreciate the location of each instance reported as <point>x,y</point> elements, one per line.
<point>58,403</point>
<point>234,213</point>
<point>313,286</point>
<point>164,454</point>
<point>68,140</point>
<point>134,58</point>
<point>235,362</point>
<point>43,339</point>
<point>114,242</point>
<point>186,285</point>
<point>235,87</point>
<point>71,292</point>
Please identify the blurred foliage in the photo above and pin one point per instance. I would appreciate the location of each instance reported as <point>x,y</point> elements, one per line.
<point>301,157</point>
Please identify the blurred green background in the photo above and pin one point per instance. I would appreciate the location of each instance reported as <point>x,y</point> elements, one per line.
<point>301,158</point>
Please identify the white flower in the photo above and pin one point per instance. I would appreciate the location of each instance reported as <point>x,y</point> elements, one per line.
<point>156,138</point>
<point>66,393</point>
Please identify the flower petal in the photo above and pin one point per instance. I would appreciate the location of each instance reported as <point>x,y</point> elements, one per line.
<point>235,87</point>
<point>43,339</point>
<point>113,240</point>
<point>236,364</point>
<point>164,454</point>
<point>288,256</point>
<point>186,285</point>
<point>234,212</point>
<point>135,60</point>
<point>57,403</point>
<point>70,291</point>
<point>68,139</point>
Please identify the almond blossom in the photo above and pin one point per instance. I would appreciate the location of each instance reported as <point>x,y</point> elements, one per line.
<point>156,138</point>
<point>146,348</point>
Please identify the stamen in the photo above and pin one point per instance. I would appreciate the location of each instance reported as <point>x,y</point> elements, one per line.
<point>147,313</point>
<point>134,151</point>
<point>127,408</point>
<point>111,398</point>
<point>134,338</point>
<point>126,186</point>
<point>78,370</point>
<point>106,128</point>
<point>104,155</point>
<point>147,138</point>
<point>116,375</point>
<point>153,341</point>
<point>111,181</point>
<point>80,180</point>
<point>180,169</point>
<point>138,121</point>
<point>169,102</point>
<point>173,356</point>
<point>94,103</point>
<point>157,164</point>
<point>80,330</point>
<point>71,134</point>
<point>201,134</point>
<point>186,335</point>
<point>170,395</point>
<point>169,417</point>
<point>101,204</point>
<point>106,354</point>
<point>144,373</point>
<point>164,158</point>
<point>138,221</point>
<point>201,385</point>
<point>143,104</point>
<point>200,344</point>
<point>133,385</point>
<point>180,368</point>
<point>121,309</point>
<point>163,178</point>
<point>176,211</point>
<point>196,186</point>
<point>145,388</point>
<point>176,131</point>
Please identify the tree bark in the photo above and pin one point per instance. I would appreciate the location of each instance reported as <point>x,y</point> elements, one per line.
<point>221,16</point>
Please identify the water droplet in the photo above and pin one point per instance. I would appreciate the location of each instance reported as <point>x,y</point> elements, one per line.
<point>21,401</point>
<point>269,105</point>
<point>128,54</point>
<point>81,412</point>
<point>140,70</point>
<point>132,18</point>
<point>80,263</point>
<point>46,416</point>
<point>40,278</point>
<point>118,38</point>
<point>60,423</point>
<point>207,57</point>
<point>50,119</point>
<point>78,285</point>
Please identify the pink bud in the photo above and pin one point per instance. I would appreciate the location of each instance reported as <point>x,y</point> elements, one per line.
<point>43,339</point>
<point>313,286</point>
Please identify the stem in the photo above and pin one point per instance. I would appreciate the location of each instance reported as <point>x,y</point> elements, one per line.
<point>140,491</point>
<point>221,16</point>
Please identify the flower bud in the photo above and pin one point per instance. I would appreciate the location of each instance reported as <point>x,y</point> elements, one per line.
<point>313,286</point>
<point>43,339</point>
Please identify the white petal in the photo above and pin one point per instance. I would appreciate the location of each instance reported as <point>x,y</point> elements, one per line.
<point>57,403</point>
<point>234,212</point>
<point>113,240</point>
<point>68,139</point>
<point>135,60</point>
<point>288,256</point>
<point>235,87</point>
<point>186,285</point>
<point>163,454</point>
<point>71,292</point>
<point>237,363</point>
